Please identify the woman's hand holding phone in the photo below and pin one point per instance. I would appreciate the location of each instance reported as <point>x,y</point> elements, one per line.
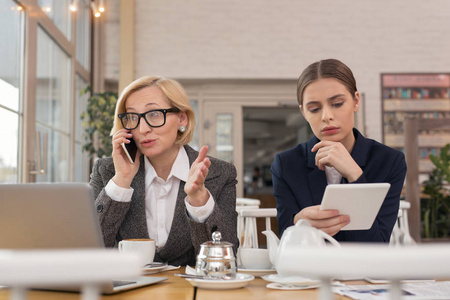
<point>125,170</point>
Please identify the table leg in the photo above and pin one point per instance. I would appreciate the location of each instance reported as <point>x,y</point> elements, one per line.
<point>395,290</point>
<point>18,293</point>
<point>90,292</point>
<point>325,292</point>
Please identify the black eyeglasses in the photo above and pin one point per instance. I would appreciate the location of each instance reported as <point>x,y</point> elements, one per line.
<point>154,118</point>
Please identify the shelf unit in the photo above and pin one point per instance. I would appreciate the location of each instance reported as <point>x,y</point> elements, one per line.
<point>425,96</point>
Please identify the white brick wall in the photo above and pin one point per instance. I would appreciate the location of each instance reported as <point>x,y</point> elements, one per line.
<point>266,39</point>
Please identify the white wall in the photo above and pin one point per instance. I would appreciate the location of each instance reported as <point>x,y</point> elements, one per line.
<point>266,39</point>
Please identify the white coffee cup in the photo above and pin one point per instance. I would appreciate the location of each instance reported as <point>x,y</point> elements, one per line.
<point>144,247</point>
<point>255,258</point>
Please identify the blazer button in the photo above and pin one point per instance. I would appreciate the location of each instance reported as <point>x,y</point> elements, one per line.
<point>99,208</point>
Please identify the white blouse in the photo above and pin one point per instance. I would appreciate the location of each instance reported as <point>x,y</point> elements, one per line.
<point>161,197</point>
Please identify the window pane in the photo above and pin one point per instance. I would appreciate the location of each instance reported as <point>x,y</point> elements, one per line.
<point>10,53</point>
<point>83,25</point>
<point>57,156</point>
<point>81,157</point>
<point>52,107</point>
<point>224,137</point>
<point>59,12</point>
<point>9,131</point>
<point>52,98</point>
<point>81,164</point>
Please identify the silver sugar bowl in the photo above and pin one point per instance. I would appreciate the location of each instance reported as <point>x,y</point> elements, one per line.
<point>216,258</point>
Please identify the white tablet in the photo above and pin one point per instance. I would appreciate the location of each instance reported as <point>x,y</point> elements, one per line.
<point>360,201</point>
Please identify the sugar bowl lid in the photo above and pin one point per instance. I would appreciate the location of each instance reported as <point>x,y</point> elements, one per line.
<point>216,241</point>
<point>216,248</point>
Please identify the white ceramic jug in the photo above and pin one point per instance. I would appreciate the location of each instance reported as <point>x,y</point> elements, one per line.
<point>302,234</point>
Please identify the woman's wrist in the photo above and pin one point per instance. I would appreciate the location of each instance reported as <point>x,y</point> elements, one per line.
<point>121,181</point>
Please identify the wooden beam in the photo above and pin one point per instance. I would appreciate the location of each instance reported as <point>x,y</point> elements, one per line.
<point>412,176</point>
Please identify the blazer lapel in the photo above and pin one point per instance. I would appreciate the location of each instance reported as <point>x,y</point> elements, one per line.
<point>138,201</point>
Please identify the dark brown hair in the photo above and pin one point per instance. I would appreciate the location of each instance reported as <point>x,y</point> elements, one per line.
<point>327,68</point>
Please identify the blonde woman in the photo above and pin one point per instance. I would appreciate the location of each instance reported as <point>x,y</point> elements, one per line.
<point>171,193</point>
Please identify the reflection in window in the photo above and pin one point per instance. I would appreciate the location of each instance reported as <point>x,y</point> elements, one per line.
<point>224,137</point>
<point>52,106</point>
<point>11,53</point>
<point>9,131</point>
<point>59,12</point>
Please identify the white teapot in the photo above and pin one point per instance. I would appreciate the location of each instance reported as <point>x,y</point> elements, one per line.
<point>302,234</point>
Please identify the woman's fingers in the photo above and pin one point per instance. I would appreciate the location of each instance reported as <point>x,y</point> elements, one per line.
<point>327,220</point>
<point>202,154</point>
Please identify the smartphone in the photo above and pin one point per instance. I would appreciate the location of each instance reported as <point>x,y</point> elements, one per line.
<point>130,150</point>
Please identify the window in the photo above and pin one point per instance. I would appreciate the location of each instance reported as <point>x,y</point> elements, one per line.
<point>83,26</point>
<point>81,157</point>
<point>52,106</point>
<point>11,53</point>
<point>58,11</point>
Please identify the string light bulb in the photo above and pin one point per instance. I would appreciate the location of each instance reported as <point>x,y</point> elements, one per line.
<point>95,10</point>
<point>73,5</point>
<point>101,7</point>
<point>19,8</point>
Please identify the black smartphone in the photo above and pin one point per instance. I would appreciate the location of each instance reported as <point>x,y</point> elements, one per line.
<point>130,150</point>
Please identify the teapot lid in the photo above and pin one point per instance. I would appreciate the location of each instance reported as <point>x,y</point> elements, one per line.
<point>216,241</point>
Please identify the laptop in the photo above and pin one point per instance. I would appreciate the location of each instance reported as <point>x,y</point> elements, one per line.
<point>55,216</point>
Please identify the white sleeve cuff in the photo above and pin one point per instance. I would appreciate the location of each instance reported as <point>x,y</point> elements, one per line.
<point>200,213</point>
<point>118,193</point>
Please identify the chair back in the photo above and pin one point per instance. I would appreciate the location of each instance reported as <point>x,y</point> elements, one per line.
<point>249,215</point>
<point>400,234</point>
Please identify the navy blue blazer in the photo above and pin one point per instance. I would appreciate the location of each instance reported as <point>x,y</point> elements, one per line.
<point>298,183</point>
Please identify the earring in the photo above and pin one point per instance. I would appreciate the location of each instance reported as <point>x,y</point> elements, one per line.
<point>182,129</point>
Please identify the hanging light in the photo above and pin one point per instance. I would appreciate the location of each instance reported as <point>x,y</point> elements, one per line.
<point>95,10</point>
<point>73,5</point>
<point>101,7</point>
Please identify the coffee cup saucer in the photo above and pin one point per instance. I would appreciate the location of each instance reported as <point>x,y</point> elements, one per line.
<point>154,267</point>
<point>291,280</point>
<point>240,281</point>
<point>257,272</point>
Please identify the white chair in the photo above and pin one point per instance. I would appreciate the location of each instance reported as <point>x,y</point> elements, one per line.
<point>249,215</point>
<point>400,234</point>
<point>242,203</point>
<point>247,202</point>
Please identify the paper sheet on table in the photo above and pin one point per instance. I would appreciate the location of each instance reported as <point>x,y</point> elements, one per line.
<point>411,291</point>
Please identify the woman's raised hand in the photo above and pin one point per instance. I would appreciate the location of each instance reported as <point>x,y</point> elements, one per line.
<point>195,185</point>
<point>124,169</point>
<point>334,154</point>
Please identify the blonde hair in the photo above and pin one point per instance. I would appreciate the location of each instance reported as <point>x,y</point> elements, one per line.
<point>175,94</point>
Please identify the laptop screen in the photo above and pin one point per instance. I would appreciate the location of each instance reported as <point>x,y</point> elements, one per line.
<point>48,215</point>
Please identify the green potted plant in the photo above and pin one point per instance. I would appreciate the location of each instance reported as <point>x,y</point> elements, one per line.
<point>436,207</point>
<point>97,122</point>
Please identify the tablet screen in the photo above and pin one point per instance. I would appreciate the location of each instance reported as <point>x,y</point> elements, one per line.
<point>360,201</point>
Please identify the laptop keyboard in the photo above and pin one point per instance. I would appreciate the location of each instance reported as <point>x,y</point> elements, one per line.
<point>117,283</point>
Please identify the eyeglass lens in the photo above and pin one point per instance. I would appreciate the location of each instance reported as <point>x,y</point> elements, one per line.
<point>153,118</point>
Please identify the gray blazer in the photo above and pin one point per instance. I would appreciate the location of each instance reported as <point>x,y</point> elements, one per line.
<point>126,220</point>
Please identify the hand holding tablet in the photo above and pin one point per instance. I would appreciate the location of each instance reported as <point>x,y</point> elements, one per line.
<point>360,201</point>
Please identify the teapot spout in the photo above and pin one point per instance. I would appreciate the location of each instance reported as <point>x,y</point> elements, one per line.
<point>272,244</point>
